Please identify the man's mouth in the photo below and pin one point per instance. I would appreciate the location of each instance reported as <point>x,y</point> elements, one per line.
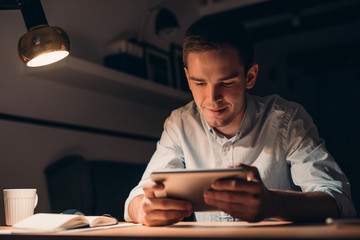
<point>216,111</point>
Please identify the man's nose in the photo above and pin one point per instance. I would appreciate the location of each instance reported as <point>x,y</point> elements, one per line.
<point>214,94</point>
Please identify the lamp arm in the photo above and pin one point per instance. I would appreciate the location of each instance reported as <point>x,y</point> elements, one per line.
<point>33,13</point>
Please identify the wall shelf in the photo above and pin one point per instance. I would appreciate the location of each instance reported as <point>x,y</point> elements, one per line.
<point>87,75</point>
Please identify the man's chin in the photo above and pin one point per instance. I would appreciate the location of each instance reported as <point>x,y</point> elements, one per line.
<point>216,124</point>
<point>216,121</point>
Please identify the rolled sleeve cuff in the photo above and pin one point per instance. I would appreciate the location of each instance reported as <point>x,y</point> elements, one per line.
<point>344,203</point>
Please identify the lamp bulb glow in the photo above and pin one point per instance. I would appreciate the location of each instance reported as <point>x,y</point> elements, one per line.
<point>47,58</point>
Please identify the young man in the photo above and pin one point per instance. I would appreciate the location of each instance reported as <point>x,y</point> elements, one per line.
<point>290,174</point>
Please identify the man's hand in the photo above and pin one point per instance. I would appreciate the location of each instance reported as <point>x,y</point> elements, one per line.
<point>244,199</point>
<point>251,201</point>
<point>152,211</point>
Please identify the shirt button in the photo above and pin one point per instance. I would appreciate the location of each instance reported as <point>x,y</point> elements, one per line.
<point>227,148</point>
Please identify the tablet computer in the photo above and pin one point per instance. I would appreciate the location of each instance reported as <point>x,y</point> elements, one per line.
<point>190,184</point>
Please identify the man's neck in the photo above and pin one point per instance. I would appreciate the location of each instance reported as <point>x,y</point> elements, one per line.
<point>227,135</point>
<point>231,130</point>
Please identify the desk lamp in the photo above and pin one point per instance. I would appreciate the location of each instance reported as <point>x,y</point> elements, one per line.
<point>42,44</point>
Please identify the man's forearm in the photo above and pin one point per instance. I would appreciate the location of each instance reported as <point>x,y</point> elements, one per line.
<point>133,208</point>
<point>300,206</point>
<point>284,205</point>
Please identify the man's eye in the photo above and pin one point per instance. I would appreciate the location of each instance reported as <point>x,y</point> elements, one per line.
<point>199,83</point>
<point>227,84</point>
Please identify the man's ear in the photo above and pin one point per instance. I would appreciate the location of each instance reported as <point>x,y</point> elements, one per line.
<point>251,76</point>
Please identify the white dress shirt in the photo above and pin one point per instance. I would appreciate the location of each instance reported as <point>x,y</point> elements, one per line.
<point>276,136</point>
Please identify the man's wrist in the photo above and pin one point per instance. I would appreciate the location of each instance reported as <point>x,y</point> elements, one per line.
<point>293,205</point>
<point>274,207</point>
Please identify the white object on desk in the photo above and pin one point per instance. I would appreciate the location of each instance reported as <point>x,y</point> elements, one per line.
<point>52,222</point>
<point>19,204</point>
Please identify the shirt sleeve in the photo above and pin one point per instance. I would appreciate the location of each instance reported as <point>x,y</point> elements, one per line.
<point>168,155</point>
<point>312,166</point>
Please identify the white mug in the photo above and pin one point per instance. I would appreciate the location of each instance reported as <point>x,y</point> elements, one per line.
<point>19,204</point>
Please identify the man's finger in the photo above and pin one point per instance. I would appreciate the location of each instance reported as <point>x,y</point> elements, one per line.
<point>237,185</point>
<point>169,215</point>
<point>252,173</point>
<point>168,204</point>
<point>150,187</point>
<point>157,222</point>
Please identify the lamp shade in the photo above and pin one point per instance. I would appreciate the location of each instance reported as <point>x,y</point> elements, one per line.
<point>165,22</point>
<point>43,45</point>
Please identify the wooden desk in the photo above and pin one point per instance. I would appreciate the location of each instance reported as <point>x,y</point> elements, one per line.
<point>199,231</point>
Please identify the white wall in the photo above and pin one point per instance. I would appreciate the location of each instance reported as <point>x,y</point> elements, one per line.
<point>92,24</point>
<point>25,149</point>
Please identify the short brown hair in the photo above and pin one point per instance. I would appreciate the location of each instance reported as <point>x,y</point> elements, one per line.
<point>216,32</point>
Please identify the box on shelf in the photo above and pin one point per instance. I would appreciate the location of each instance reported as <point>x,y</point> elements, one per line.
<point>126,56</point>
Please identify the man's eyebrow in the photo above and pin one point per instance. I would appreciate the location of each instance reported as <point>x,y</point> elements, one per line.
<point>197,79</point>
<point>231,76</point>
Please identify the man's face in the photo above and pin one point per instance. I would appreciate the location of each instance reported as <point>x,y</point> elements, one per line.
<point>218,82</point>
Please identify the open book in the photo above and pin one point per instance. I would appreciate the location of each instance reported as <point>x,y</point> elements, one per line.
<point>51,222</point>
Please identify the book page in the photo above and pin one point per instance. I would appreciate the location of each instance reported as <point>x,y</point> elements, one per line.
<point>47,222</point>
<point>96,221</point>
